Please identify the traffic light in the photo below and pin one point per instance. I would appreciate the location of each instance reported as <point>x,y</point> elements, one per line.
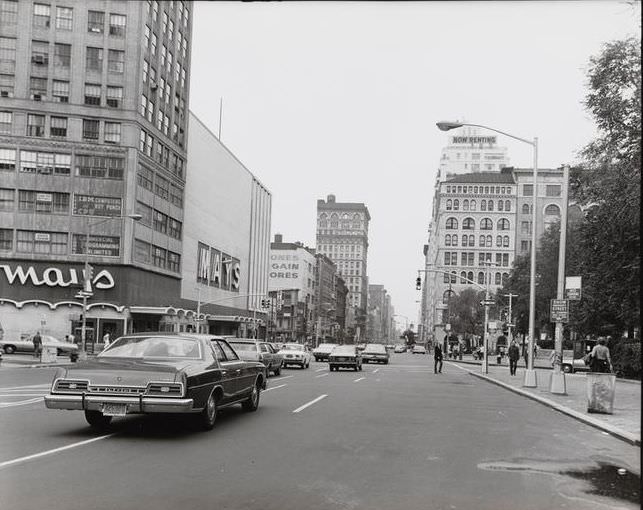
<point>418,283</point>
<point>265,303</point>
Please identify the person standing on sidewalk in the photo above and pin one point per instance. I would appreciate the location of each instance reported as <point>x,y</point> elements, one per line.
<point>600,360</point>
<point>37,344</point>
<point>514,355</point>
<point>437,358</point>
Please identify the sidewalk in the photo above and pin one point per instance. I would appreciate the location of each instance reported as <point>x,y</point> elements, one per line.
<point>625,423</point>
<point>20,360</point>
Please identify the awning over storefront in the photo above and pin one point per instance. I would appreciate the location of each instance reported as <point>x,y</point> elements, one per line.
<point>153,310</point>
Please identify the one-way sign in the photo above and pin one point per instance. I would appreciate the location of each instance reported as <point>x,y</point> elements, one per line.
<point>487,302</point>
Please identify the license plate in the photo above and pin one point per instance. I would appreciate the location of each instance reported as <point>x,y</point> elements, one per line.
<point>114,409</point>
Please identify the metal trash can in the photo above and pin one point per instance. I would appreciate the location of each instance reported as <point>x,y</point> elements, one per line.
<point>600,392</point>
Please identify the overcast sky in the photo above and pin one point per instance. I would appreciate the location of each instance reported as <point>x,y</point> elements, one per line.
<point>343,97</point>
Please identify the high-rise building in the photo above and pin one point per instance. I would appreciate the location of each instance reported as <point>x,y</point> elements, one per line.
<point>379,314</point>
<point>342,235</point>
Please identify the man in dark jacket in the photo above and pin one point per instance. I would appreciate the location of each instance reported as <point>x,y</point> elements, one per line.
<point>514,355</point>
<point>37,344</point>
<point>437,358</point>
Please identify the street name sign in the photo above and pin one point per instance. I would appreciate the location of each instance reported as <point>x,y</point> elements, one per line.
<point>559,310</point>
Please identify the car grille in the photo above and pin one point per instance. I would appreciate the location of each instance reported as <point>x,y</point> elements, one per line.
<point>71,385</point>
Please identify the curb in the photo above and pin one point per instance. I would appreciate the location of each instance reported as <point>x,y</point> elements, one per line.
<point>614,431</point>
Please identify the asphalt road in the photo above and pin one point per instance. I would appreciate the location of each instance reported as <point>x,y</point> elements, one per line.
<point>390,437</point>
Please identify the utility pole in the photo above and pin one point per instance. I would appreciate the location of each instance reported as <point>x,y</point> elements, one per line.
<point>510,324</point>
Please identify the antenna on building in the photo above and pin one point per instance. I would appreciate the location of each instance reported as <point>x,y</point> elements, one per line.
<point>220,115</point>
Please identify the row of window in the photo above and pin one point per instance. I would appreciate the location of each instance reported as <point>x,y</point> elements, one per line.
<point>64,19</point>
<point>160,186</point>
<point>161,153</point>
<point>159,221</point>
<point>148,253</point>
<point>470,205</point>
<point>468,258</point>
<point>57,243</point>
<point>551,190</point>
<point>470,224</point>
<point>470,240</point>
<point>485,190</point>
<point>50,163</point>
<point>467,278</point>
<point>58,127</point>
<point>182,14</point>
<point>146,109</point>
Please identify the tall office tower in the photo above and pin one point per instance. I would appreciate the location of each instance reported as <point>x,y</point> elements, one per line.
<point>342,235</point>
<point>93,128</point>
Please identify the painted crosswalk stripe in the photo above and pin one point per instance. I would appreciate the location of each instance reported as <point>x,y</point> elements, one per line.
<point>322,375</point>
<point>360,379</point>
<point>308,404</point>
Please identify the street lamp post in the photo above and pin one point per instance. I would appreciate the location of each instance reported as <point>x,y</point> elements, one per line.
<point>87,273</point>
<point>530,373</point>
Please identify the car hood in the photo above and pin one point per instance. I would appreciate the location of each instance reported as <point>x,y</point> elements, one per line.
<point>134,372</point>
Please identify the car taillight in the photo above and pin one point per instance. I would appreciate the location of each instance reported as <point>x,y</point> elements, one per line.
<point>165,389</point>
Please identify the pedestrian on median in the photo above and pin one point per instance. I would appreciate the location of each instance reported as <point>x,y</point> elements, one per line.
<point>437,358</point>
<point>37,344</point>
<point>600,360</point>
<point>514,355</point>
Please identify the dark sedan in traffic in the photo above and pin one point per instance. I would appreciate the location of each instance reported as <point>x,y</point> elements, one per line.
<point>345,356</point>
<point>159,373</point>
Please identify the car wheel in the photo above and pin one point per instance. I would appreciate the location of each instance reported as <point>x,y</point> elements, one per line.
<point>9,349</point>
<point>97,420</point>
<point>252,403</point>
<point>568,369</point>
<point>208,416</point>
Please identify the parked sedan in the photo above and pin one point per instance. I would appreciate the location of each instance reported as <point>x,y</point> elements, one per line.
<point>346,356</point>
<point>25,344</point>
<point>322,351</point>
<point>150,373</point>
<point>252,350</point>
<point>295,354</point>
<point>375,353</point>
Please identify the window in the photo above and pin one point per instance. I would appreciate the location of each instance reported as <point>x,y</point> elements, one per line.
<point>483,205</point>
<point>40,53</point>
<point>94,59</point>
<point>552,210</point>
<point>472,205</point>
<point>481,277</point>
<point>525,227</point>
<point>503,224</point>
<point>62,55</point>
<point>497,279</point>
<point>552,190</point>
<point>528,190</point>
<point>456,204</point>
<point>112,132</point>
<point>6,239</point>
<point>170,31</point>
<point>507,205</point>
<point>486,224</point>
<point>505,241</point>
<point>505,260</point>
<point>114,96</point>
<point>449,205</point>
<point>41,15</point>
<point>146,212</point>
<point>154,44</point>
<point>498,259</point>
<point>6,122</point>
<point>6,199</point>
<point>8,12</point>
<point>96,22</point>
<point>6,82</point>
<point>146,70</point>
<point>115,61</point>
<point>35,125</point>
<point>104,167</point>
<point>525,208</point>
<point>501,205</point>
<point>91,129</point>
<point>159,257</point>
<point>8,159</point>
<point>60,91</point>
<point>146,36</point>
<point>161,187</point>
<point>38,88</point>
<point>482,241</point>
<point>465,205</point>
<point>92,94</point>
<point>490,205</point>
<point>64,18</point>
<point>42,242</point>
<point>499,241</point>
<point>143,106</point>
<point>142,251</point>
<point>452,224</point>
<point>58,127</point>
<point>43,203</point>
<point>454,240</point>
<point>117,24</point>
<point>163,55</point>
<point>174,228</point>
<point>465,240</point>
<point>468,224</point>
<point>145,178</point>
<point>524,246</point>
<point>173,261</point>
<point>447,240</point>
<point>8,56</point>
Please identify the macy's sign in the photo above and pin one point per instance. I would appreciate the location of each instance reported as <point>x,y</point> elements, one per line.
<point>54,277</point>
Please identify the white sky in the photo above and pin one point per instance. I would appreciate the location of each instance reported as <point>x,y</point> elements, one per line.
<point>342,97</point>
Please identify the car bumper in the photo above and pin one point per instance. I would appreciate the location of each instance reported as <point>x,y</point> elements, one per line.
<point>343,363</point>
<point>374,358</point>
<point>135,405</point>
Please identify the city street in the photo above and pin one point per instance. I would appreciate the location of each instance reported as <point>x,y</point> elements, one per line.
<point>390,437</point>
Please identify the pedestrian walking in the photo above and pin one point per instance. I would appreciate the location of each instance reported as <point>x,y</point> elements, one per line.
<point>105,340</point>
<point>437,360</point>
<point>37,344</point>
<point>525,354</point>
<point>599,358</point>
<point>514,355</point>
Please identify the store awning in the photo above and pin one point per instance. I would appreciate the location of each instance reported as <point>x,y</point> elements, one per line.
<point>153,310</point>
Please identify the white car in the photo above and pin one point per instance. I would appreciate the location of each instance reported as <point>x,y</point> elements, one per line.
<point>399,348</point>
<point>26,345</point>
<point>418,349</point>
<point>295,354</point>
<point>322,351</point>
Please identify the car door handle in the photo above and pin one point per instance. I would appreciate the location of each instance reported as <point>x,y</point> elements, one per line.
<point>224,372</point>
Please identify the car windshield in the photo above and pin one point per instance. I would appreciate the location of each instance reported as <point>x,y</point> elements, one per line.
<point>243,346</point>
<point>375,348</point>
<point>153,347</point>
<point>344,350</point>
<point>292,347</point>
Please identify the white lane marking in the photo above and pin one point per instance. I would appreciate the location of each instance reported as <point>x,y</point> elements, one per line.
<point>282,378</point>
<point>314,401</point>
<point>323,375</point>
<point>20,403</point>
<point>360,379</point>
<point>275,387</point>
<point>320,370</point>
<point>376,370</point>
<point>55,450</point>
<point>26,387</point>
<point>13,395</point>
